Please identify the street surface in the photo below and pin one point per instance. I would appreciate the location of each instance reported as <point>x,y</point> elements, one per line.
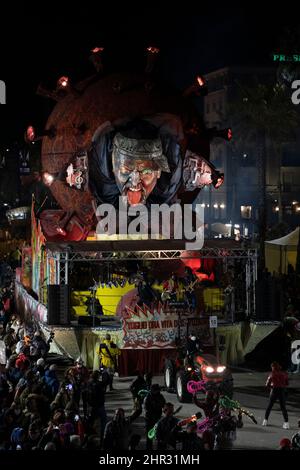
<point>249,390</point>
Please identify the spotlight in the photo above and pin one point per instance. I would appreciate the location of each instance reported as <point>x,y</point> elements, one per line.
<point>201,81</point>
<point>62,82</point>
<point>64,86</point>
<point>153,50</point>
<point>48,178</point>
<point>152,54</point>
<point>30,135</point>
<point>197,88</point>
<point>96,58</point>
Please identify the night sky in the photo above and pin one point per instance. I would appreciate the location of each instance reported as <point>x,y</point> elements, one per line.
<point>37,46</point>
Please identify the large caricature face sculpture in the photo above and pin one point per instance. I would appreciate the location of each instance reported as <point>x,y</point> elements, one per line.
<point>137,165</point>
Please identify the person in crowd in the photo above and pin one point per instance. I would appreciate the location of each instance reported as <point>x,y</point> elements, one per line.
<point>154,403</point>
<point>164,428</point>
<point>65,395</point>
<point>80,376</point>
<point>96,403</point>
<point>210,404</point>
<point>33,436</point>
<point>285,444</point>
<point>118,432</point>
<point>190,442</point>
<point>40,368</point>
<point>278,382</point>
<point>225,429</point>
<point>17,439</point>
<point>109,353</point>
<point>10,341</point>
<point>137,386</point>
<point>38,346</point>
<point>51,382</point>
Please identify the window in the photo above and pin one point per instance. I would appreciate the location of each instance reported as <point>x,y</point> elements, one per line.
<point>246,212</point>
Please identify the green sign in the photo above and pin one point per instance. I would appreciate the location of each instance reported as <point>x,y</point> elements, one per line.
<point>286,58</point>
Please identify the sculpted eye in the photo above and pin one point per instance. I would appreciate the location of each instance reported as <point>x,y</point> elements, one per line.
<point>125,171</point>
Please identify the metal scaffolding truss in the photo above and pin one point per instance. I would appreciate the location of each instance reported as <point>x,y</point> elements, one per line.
<point>247,257</point>
<point>212,253</point>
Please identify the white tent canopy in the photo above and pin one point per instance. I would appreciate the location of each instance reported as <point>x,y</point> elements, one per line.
<point>218,227</point>
<point>291,239</point>
<point>281,252</point>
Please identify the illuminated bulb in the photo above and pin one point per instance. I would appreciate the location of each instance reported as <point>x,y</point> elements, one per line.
<point>30,134</point>
<point>216,206</point>
<point>200,81</point>
<point>202,205</point>
<point>277,209</point>
<point>222,206</point>
<point>62,82</point>
<point>153,50</point>
<point>97,49</point>
<point>48,179</point>
<point>294,203</point>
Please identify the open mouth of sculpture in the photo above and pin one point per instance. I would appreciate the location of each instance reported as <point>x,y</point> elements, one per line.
<point>135,195</point>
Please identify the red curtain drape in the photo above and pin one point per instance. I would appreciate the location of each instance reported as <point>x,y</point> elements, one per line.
<point>143,360</point>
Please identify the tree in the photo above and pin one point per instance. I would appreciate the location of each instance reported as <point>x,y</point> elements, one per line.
<point>265,110</point>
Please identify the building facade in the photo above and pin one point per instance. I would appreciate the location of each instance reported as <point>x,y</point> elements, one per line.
<point>235,204</point>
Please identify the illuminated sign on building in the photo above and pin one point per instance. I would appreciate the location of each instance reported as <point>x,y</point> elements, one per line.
<point>286,58</point>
